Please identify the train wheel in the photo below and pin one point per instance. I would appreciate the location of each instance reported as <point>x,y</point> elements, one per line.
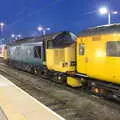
<point>36,71</point>
<point>59,78</point>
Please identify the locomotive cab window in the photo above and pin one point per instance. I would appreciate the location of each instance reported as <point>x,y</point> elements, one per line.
<point>49,44</point>
<point>113,49</point>
<point>81,49</point>
<point>37,51</point>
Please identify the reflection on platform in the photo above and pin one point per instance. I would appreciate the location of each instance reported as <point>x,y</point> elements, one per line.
<point>2,115</point>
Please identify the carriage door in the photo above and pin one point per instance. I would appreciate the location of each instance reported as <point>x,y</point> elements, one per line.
<point>81,56</point>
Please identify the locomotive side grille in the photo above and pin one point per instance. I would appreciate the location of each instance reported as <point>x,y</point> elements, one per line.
<point>96,38</point>
<point>59,56</point>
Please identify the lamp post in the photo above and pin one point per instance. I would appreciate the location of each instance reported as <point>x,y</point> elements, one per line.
<point>19,36</point>
<point>16,37</point>
<point>13,36</point>
<point>2,24</point>
<point>43,29</point>
<point>106,11</point>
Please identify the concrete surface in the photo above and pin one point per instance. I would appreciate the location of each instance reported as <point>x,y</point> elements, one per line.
<point>2,115</point>
<point>19,105</point>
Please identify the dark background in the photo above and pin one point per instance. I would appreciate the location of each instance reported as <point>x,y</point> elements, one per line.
<point>24,16</point>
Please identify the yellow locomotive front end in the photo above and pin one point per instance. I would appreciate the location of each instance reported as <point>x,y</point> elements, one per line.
<point>60,54</point>
<point>61,59</point>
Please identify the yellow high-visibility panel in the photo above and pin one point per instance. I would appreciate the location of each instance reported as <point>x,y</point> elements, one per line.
<point>60,59</point>
<point>95,62</point>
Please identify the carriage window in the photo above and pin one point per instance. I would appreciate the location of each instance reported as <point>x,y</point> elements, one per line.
<point>81,49</point>
<point>37,51</point>
<point>113,48</point>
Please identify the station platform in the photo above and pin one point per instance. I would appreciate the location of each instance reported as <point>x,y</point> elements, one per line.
<point>16,104</point>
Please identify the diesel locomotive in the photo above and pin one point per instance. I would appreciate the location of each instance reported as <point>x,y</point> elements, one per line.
<point>27,54</point>
<point>91,59</point>
<point>32,55</point>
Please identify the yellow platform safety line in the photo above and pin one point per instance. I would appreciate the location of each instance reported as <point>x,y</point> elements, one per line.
<point>19,105</point>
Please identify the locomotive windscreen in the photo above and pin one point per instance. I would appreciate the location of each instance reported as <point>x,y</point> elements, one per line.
<point>62,40</point>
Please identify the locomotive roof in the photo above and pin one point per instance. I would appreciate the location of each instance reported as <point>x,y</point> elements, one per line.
<point>39,38</point>
<point>105,29</point>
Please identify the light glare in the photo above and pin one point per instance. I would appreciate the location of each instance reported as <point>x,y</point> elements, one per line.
<point>115,12</point>
<point>40,28</point>
<point>19,35</point>
<point>13,35</point>
<point>103,10</point>
<point>2,24</point>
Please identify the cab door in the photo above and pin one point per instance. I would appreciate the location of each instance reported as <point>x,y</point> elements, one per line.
<point>113,60</point>
<point>81,56</point>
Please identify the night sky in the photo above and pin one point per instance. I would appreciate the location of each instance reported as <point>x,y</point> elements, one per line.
<point>23,16</point>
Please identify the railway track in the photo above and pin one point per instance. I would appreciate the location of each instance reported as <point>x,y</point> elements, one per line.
<point>57,105</point>
<point>72,104</point>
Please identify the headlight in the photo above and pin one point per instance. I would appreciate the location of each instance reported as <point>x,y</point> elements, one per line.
<point>72,63</point>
